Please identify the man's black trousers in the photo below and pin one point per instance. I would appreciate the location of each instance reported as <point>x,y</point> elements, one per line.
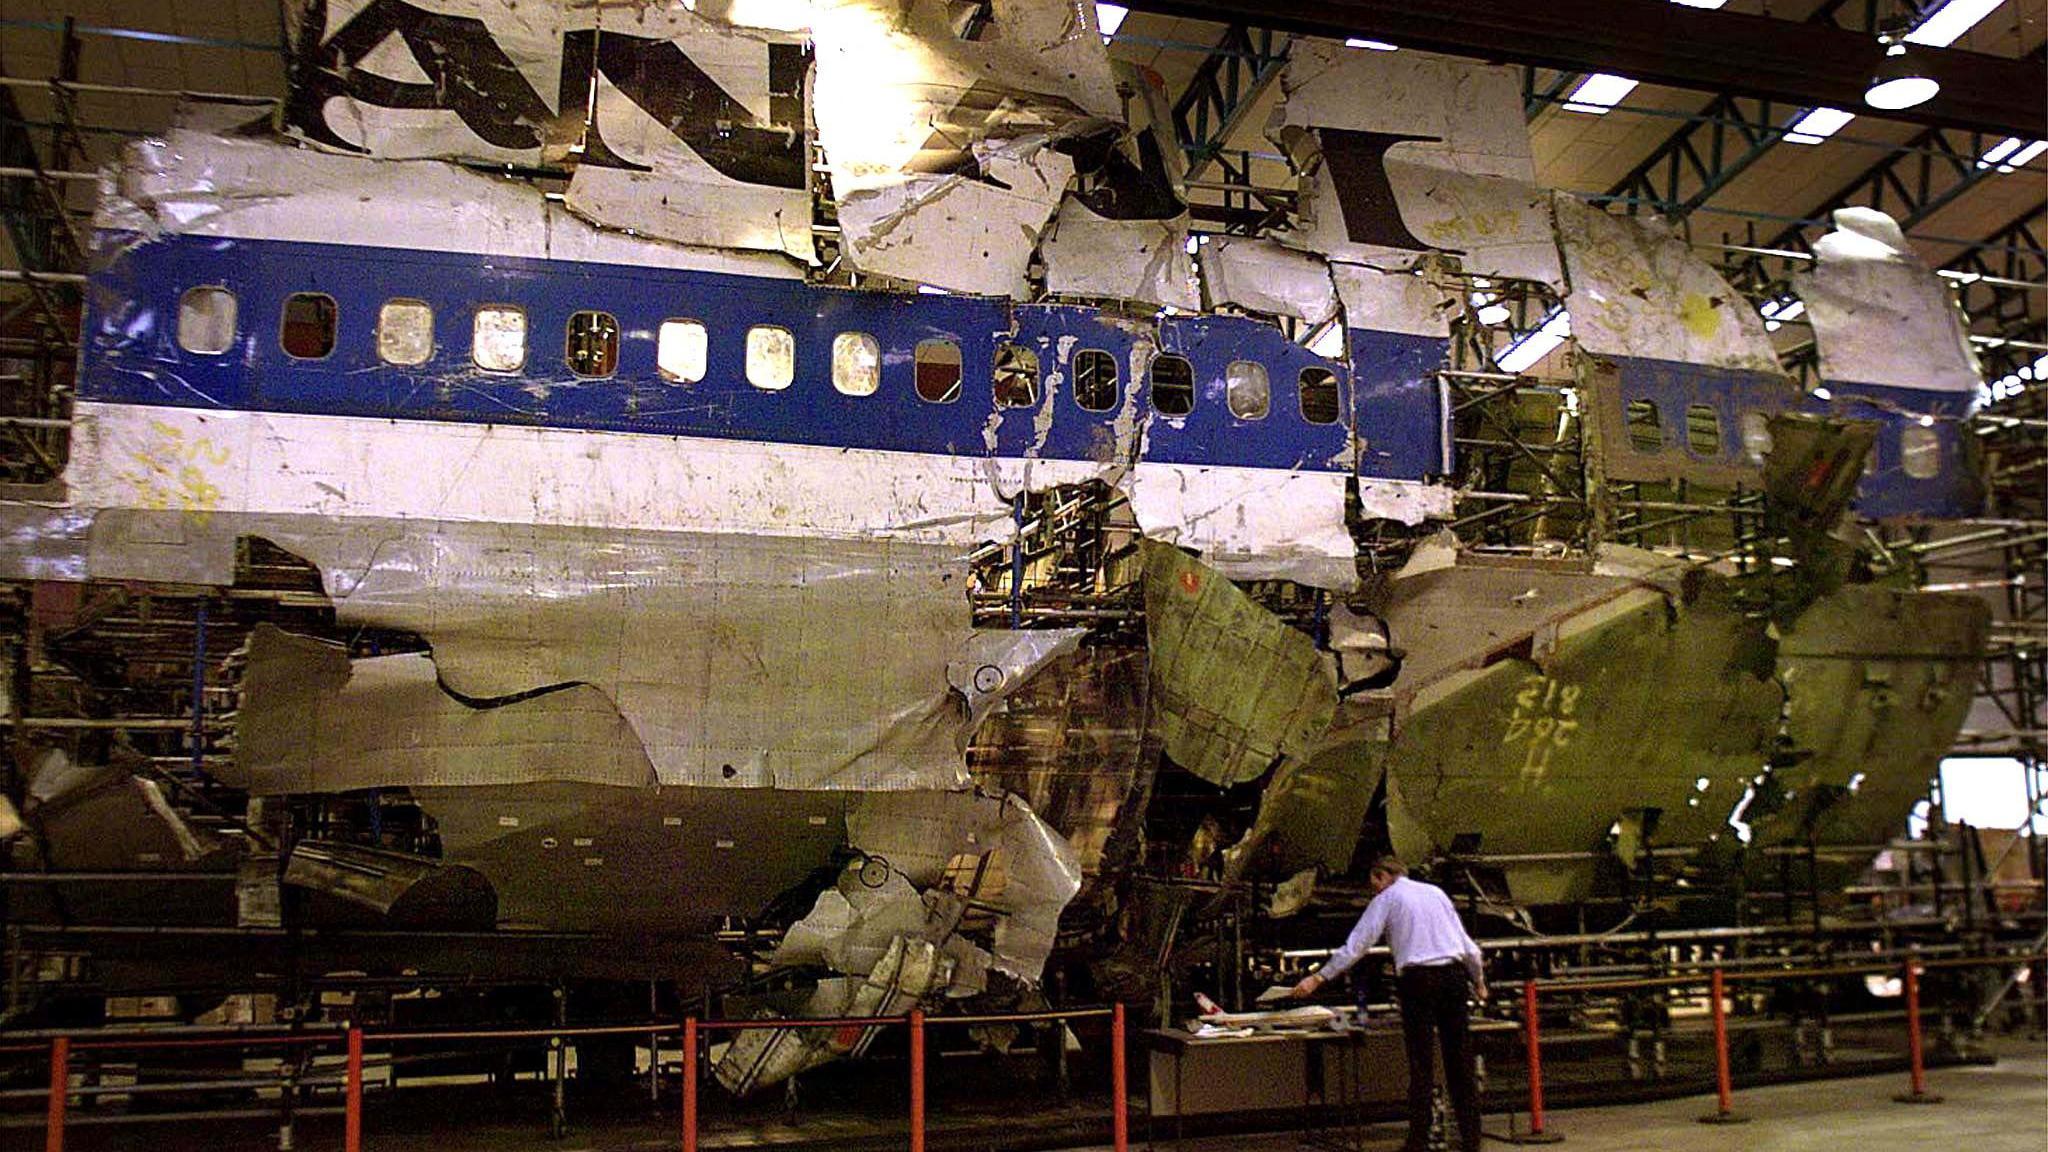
<point>1432,1013</point>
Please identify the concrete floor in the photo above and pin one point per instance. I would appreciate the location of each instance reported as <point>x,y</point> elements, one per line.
<point>2001,1108</point>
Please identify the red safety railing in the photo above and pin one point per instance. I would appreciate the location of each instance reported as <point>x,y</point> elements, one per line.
<point>690,1031</point>
<point>1717,980</point>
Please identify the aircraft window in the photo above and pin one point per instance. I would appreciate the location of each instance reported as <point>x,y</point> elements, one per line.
<point>498,338</point>
<point>1645,434</point>
<point>1247,389</point>
<point>1919,451</point>
<point>771,357</point>
<point>1321,400</point>
<point>593,348</point>
<point>936,365</point>
<point>405,332</point>
<point>1016,377</point>
<point>1756,436</point>
<point>1173,385</point>
<point>307,330</point>
<point>1095,385</point>
<point>856,363</point>
<point>682,350</point>
<point>1703,430</point>
<point>206,320</point>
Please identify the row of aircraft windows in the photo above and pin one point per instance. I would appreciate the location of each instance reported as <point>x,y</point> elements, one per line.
<point>1919,446</point>
<point>405,337</point>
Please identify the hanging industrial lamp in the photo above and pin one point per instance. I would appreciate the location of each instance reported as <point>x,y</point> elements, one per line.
<point>1897,83</point>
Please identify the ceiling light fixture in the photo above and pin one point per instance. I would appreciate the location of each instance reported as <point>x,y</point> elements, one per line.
<point>1599,92</point>
<point>1948,23</point>
<point>1898,82</point>
<point>1817,125</point>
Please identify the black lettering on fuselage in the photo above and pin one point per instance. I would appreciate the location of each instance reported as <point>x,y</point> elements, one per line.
<point>473,78</point>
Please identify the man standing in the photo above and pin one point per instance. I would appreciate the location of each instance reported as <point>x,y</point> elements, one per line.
<point>1436,966</point>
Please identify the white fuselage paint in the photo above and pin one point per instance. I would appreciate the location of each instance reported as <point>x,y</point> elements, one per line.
<point>206,463</point>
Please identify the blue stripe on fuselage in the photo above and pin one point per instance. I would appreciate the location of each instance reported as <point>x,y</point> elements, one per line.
<point>132,356</point>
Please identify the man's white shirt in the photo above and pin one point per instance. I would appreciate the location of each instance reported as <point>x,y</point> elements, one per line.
<point>1421,927</point>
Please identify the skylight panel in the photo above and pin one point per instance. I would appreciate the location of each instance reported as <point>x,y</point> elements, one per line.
<point>1700,3</point>
<point>1110,17</point>
<point>1948,23</point>
<point>1374,45</point>
<point>1599,92</point>
<point>2025,155</point>
<point>1818,125</point>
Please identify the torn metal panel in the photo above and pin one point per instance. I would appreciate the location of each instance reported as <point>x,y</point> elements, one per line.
<point>94,817</point>
<point>899,92</point>
<point>1401,302</point>
<point>855,923</point>
<point>1236,688</point>
<point>1447,112</point>
<point>909,972</point>
<point>1879,315</point>
<point>1264,276</point>
<point>998,661</point>
<point>1495,225</point>
<point>1141,260</point>
<point>1648,701</point>
<point>1070,743</point>
<point>1811,472</point>
<point>653,107</point>
<point>312,721</point>
<point>1312,812</point>
<point>955,231</point>
<point>1404,152</point>
<point>191,183</point>
<point>1878,681</point>
<point>1639,290</point>
<point>401,888</point>
<point>1258,523</point>
<point>1033,871</point>
<point>939,148</point>
<point>739,661</point>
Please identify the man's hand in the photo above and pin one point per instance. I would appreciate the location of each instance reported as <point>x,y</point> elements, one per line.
<point>1308,986</point>
<point>1479,992</point>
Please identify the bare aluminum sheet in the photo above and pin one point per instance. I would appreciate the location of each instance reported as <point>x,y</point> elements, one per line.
<point>1264,276</point>
<point>661,110</point>
<point>1879,315</point>
<point>1639,290</point>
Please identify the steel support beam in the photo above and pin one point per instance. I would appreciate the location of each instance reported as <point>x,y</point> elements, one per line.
<point>1223,88</point>
<point>1805,65</point>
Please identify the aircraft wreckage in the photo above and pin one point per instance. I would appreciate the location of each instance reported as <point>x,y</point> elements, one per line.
<point>651,477</point>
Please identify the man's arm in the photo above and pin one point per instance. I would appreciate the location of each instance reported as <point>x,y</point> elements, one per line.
<point>1475,966</point>
<point>1363,936</point>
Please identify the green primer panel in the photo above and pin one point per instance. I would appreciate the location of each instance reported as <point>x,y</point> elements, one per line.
<point>1631,705</point>
<point>1234,687</point>
<point>1879,682</point>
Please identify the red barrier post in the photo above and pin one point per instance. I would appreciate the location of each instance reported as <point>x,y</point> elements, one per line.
<point>917,1080</point>
<point>1724,1081</point>
<point>1914,1054</point>
<point>352,1122</point>
<point>60,1092</point>
<point>1531,1034</point>
<point>690,1084</point>
<point>1119,1088</point>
